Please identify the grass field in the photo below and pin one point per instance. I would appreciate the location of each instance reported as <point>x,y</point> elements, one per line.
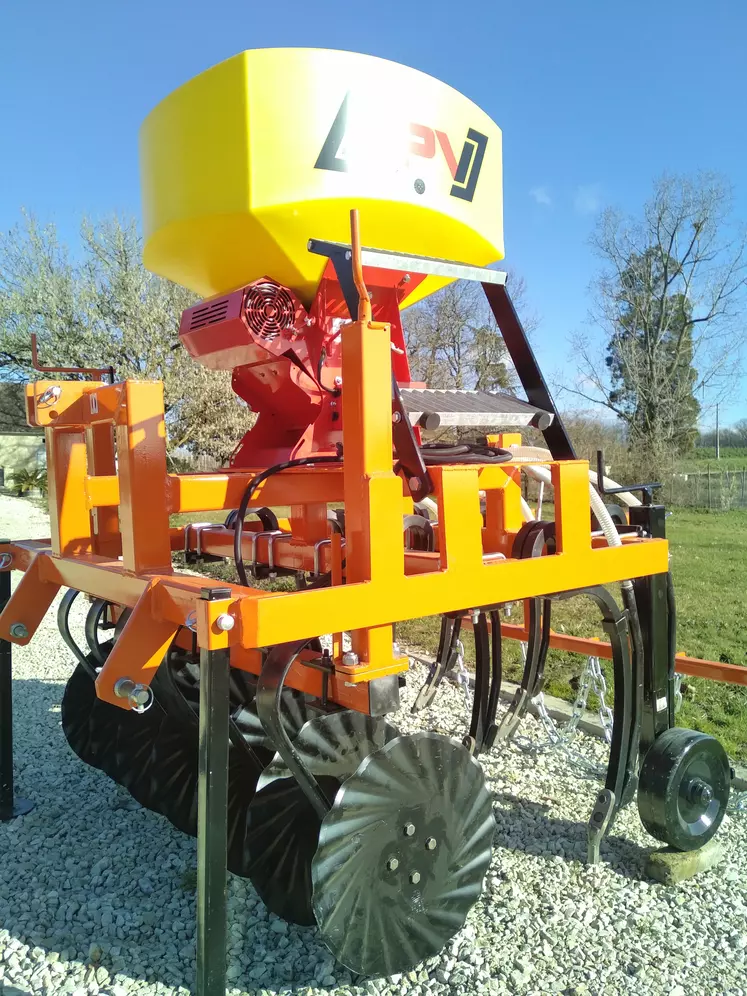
<point>709,565</point>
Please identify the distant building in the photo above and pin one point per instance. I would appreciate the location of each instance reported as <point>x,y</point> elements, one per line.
<point>21,446</point>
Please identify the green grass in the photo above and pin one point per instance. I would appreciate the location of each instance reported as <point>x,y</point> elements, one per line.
<point>709,566</point>
<point>697,464</point>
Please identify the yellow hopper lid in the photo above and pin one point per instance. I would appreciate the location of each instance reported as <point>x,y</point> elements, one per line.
<point>246,162</point>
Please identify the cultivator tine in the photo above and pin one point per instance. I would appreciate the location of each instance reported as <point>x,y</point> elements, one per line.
<point>599,823</point>
<point>534,667</point>
<point>446,660</point>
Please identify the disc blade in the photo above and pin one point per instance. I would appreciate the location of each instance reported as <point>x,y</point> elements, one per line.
<point>282,827</point>
<point>402,854</point>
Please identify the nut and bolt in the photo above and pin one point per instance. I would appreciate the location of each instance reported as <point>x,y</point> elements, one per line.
<point>699,792</point>
<point>225,622</point>
<point>431,844</point>
<point>396,652</point>
<point>415,877</point>
<point>475,613</point>
<point>392,864</point>
<point>338,381</point>
<point>409,829</point>
<point>18,631</point>
<point>396,416</point>
<point>350,658</point>
<point>413,483</point>
<point>139,696</point>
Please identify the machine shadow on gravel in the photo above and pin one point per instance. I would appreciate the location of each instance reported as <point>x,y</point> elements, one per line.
<point>58,841</point>
<point>516,829</point>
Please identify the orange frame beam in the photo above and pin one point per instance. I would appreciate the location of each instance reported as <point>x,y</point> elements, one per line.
<point>592,646</point>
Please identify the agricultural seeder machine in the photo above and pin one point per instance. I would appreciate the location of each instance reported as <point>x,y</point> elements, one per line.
<point>256,719</point>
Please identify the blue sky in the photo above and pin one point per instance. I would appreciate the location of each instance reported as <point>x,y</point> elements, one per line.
<point>595,100</point>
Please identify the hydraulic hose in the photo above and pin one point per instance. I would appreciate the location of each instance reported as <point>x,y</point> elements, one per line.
<point>525,454</point>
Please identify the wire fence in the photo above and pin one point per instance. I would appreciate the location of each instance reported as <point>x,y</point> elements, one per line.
<point>712,488</point>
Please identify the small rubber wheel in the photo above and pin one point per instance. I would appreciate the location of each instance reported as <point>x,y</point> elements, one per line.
<point>684,788</point>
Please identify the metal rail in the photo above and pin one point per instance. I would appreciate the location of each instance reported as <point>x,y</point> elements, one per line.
<point>592,646</point>
<point>10,806</point>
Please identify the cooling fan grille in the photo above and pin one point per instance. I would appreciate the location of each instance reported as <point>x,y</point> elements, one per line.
<point>269,309</point>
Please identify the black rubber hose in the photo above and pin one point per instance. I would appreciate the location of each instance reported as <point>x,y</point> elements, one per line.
<point>440,453</point>
<point>247,497</point>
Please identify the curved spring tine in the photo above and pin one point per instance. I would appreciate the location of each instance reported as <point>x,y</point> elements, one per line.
<point>446,659</point>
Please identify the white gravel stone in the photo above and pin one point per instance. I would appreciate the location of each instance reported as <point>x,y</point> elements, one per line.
<point>93,897</point>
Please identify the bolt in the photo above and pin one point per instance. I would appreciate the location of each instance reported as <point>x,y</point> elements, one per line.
<point>225,622</point>
<point>396,416</point>
<point>338,381</point>
<point>431,844</point>
<point>6,559</point>
<point>392,864</point>
<point>350,658</point>
<point>51,394</point>
<point>409,829</point>
<point>18,631</point>
<point>475,616</point>
<point>415,878</point>
<point>414,483</point>
<point>396,652</point>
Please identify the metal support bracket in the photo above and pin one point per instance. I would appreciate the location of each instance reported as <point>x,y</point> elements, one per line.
<point>405,445</point>
<point>10,806</point>
<point>212,815</point>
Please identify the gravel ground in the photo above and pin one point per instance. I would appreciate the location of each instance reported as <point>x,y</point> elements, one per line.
<point>97,894</point>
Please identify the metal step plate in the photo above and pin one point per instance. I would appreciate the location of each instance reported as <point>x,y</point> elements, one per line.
<point>433,409</point>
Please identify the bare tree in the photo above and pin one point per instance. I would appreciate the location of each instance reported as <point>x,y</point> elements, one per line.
<point>105,309</point>
<point>669,301</point>
<point>453,341</point>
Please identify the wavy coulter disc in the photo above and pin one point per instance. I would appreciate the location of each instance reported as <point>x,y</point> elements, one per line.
<point>402,854</point>
<point>281,830</point>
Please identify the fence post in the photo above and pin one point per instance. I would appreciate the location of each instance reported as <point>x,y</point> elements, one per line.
<point>697,489</point>
<point>709,485</point>
<point>743,477</point>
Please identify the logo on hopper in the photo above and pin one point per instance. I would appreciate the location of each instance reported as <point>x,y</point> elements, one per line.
<point>425,142</point>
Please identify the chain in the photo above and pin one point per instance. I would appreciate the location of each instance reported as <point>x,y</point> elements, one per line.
<point>462,679</point>
<point>677,691</point>
<point>591,678</point>
<point>599,686</point>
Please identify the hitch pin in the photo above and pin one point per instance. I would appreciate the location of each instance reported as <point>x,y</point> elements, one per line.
<point>139,696</point>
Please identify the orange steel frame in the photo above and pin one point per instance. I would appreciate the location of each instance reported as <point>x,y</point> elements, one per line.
<point>110,498</point>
